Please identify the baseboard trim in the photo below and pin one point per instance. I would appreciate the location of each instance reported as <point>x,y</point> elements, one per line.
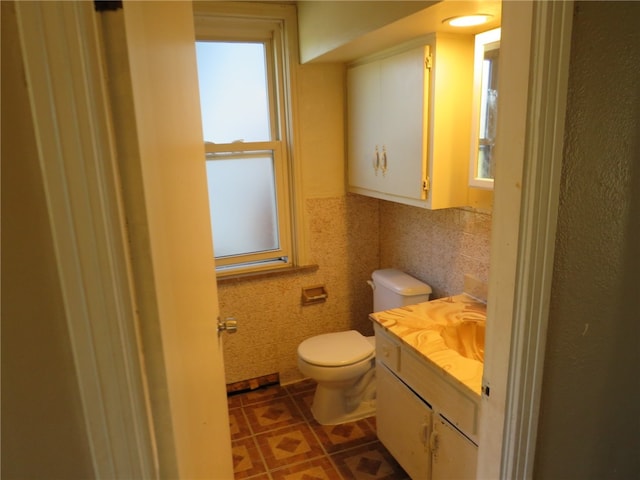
<point>253,383</point>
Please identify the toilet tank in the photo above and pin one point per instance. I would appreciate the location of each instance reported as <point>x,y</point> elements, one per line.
<point>393,288</point>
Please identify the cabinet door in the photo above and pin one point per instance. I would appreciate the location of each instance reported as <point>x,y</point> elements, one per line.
<point>454,456</point>
<point>363,86</point>
<point>403,87</point>
<point>403,423</point>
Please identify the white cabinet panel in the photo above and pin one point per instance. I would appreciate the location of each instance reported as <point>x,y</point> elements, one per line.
<point>454,456</point>
<point>387,350</point>
<point>430,382</point>
<point>403,424</point>
<point>386,105</point>
<point>409,121</point>
<point>363,84</point>
<point>403,78</point>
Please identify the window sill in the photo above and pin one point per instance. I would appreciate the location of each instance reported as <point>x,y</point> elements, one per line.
<point>275,272</point>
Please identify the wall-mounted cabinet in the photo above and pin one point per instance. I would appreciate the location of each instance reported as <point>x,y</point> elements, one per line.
<point>409,114</point>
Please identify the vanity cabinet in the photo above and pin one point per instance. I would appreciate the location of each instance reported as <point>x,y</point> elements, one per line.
<point>409,121</point>
<point>425,422</point>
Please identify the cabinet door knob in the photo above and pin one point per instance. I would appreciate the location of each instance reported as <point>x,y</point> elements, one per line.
<point>425,436</point>
<point>376,160</point>
<point>433,442</point>
<point>384,160</point>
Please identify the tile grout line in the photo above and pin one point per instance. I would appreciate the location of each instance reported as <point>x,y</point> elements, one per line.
<point>252,436</point>
<point>300,408</point>
<point>313,431</point>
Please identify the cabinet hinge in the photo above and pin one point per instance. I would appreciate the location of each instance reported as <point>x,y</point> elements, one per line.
<point>426,184</point>
<point>427,61</point>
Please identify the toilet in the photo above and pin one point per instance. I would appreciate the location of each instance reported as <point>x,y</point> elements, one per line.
<point>343,363</point>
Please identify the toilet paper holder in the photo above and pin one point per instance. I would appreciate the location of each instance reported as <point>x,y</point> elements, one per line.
<point>314,294</point>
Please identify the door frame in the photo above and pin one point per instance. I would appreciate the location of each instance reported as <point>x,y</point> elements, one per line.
<point>72,115</point>
<point>69,107</point>
<point>532,103</point>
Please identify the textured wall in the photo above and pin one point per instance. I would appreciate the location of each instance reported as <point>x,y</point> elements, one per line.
<point>590,410</point>
<point>344,244</point>
<point>350,237</point>
<point>439,247</point>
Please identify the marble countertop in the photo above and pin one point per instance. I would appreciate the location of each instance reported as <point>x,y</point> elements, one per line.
<point>448,332</point>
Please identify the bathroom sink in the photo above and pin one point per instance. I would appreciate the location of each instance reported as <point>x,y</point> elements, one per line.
<point>466,337</point>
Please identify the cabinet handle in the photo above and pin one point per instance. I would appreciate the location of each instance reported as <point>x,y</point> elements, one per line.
<point>433,442</point>
<point>426,435</point>
<point>384,160</point>
<point>376,161</point>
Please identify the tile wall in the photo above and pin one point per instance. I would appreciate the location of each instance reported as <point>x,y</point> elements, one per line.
<point>349,237</point>
<point>343,242</point>
<point>437,246</point>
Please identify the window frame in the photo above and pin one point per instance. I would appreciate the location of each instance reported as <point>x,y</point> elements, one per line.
<point>226,22</point>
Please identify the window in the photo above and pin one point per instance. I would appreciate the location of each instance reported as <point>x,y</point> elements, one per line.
<point>243,83</point>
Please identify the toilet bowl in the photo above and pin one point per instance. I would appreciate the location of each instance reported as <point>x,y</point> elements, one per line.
<point>342,364</point>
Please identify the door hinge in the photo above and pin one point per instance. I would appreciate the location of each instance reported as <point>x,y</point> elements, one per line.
<point>485,389</point>
<point>107,5</point>
<point>428,61</point>
<point>426,184</point>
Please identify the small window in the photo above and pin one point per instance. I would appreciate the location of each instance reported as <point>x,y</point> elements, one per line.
<point>241,81</point>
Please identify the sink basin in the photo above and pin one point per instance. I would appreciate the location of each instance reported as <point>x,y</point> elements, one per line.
<point>466,337</point>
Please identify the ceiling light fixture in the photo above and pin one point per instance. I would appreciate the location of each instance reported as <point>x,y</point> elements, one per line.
<point>468,20</point>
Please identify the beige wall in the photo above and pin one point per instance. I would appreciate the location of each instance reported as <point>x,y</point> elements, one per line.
<point>327,25</point>
<point>590,410</point>
<point>43,430</point>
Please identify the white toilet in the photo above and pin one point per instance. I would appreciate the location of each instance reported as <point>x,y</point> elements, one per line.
<point>343,363</point>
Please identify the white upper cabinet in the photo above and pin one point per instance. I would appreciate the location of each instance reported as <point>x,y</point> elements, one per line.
<point>409,113</point>
<point>387,117</point>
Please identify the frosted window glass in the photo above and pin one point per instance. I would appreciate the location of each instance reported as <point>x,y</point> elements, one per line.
<point>233,92</point>
<point>242,200</point>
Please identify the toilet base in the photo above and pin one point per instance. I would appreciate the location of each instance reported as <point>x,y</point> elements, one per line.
<point>330,407</point>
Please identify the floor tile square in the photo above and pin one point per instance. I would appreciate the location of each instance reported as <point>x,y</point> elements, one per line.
<point>275,437</point>
<point>346,435</point>
<point>302,386</point>
<point>262,394</point>
<point>373,423</point>
<point>247,461</point>
<point>234,401</point>
<point>317,469</point>
<point>368,462</point>
<point>238,424</point>
<point>289,445</point>
<point>304,401</point>
<point>273,414</point>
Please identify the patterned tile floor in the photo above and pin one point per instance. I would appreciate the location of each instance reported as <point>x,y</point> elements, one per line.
<point>274,437</point>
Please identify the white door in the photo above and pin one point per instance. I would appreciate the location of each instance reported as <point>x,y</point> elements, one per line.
<point>160,140</point>
<point>161,50</point>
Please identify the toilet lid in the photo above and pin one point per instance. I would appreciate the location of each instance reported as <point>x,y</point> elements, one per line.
<point>335,349</point>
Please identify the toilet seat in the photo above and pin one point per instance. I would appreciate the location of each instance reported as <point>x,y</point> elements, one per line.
<point>336,349</point>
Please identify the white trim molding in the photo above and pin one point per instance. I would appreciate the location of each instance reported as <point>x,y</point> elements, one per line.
<point>522,254</point>
<point>551,45</point>
<point>72,123</point>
